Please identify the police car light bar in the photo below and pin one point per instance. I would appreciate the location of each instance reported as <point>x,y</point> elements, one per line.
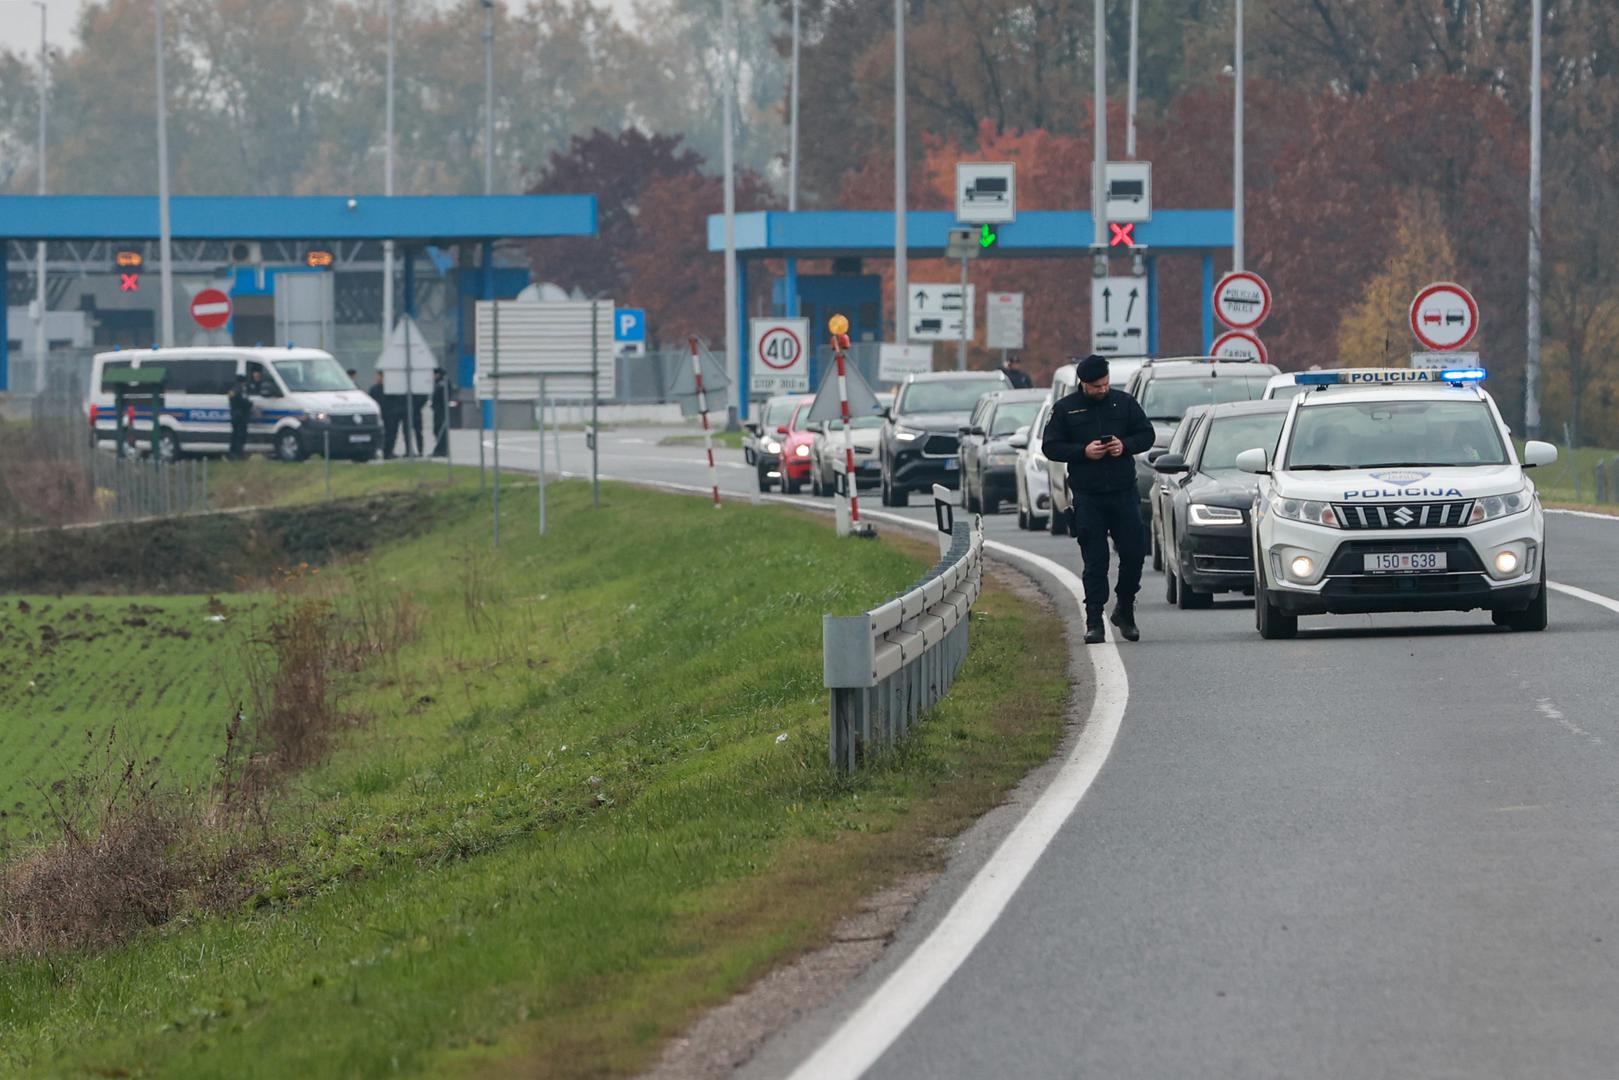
<point>1387,376</point>
<point>1463,375</point>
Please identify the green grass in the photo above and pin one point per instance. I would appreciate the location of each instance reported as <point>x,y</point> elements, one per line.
<point>153,672</point>
<point>1572,480</point>
<point>570,821</point>
<point>260,481</point>
<point>729,440</point>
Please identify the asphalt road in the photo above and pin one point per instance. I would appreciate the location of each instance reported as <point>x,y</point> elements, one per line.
<point>1387,848</point>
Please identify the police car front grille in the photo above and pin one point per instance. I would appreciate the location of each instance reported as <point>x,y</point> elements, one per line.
<point>940,445</point>
<point>1421,515</point>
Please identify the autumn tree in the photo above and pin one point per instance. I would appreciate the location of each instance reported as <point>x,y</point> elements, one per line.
<point>1376,331</point>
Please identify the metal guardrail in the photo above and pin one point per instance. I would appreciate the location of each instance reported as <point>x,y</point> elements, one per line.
<point>887,666</point>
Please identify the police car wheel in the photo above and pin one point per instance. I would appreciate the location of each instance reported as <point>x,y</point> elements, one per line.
<point>1272,623</point>
<point>288,447</point>
<point>1532,618</point>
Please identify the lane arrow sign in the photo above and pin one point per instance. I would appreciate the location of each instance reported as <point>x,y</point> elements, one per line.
<point>985,237</point>
<point>1128,310</point>
<point>1107,305</point>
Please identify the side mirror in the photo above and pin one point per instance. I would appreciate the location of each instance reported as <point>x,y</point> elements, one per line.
<point>969,430</point>
<point>1019,439</point>
<point>1256,460</point>
<point>1155,453</point>
<point>888,413</point>
<point>1170,463</point>
<point>1538,453</point>
<point>752,426</point>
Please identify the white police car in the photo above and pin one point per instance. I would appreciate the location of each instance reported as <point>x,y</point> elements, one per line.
<point>1396,490</point>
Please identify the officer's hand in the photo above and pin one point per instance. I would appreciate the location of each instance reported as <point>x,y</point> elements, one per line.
<point>1096,449</point>
<point>1115,447</point>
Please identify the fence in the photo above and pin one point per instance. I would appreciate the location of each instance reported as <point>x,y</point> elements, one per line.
<point>887,666</point>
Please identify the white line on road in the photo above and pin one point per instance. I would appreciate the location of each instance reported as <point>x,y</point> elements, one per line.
<point>1584,514</point>
<point>867,1034</point>
<point>1581,594</point>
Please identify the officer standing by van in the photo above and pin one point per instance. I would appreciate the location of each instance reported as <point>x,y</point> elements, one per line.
<point>241,410</point>
<point>1098,431</point>
<point>441,412</point>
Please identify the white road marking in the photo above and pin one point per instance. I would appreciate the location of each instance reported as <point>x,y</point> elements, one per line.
<point>868,1033</point>
<point>1581,594</point>
<point>1553,713</point>
<point>1584,514</point>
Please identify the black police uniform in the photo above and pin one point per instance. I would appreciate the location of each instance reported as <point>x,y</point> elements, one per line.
<point>1017,377</point>
<point>1103,491</point>
<point>241,409</point>
<point>441,415</point>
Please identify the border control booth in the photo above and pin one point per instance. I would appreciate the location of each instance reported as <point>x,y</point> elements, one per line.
<point>849,238</point>
<point>301,268</point>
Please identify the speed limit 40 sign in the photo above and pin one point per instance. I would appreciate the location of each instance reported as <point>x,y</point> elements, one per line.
<point>778,360</point>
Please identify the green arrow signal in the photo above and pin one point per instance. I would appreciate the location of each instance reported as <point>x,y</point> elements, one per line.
<point>985,237</point>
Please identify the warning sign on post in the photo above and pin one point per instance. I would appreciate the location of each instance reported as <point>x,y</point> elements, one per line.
<point>778,362</point>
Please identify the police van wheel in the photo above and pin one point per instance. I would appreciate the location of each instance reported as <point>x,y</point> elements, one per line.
<point>168,446</point>
<point>288,447</point>
<point>1271,621</point>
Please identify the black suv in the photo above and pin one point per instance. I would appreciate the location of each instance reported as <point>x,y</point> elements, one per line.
<point>919,439</point>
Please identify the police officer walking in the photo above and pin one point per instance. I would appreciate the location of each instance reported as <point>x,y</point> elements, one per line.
<point>442,403</point>
<point>1098,431</point>
<point>241,409</point>
<point>1015,375</point>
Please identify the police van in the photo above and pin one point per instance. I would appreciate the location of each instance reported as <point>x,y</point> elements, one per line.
<point>304,402</point>
<point>1396,490</point>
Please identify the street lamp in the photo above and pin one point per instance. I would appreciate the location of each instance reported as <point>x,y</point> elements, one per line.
<point>1237,243</point>
<point>388,186</point>
<point>164,234</point>
<point>1531,365</point>
<point>40,299</point>
<point>902,324</point>
<point>488,97</point>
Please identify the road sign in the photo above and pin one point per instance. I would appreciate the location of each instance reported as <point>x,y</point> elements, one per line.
<point>629,324</point>
<point>986,192</point>
<point>936,312</point>
<point>1242,300</point>
<point>211,309</point>
<point>894,362</point>
<point>1444,361</point>
<point>1003,319</point>
<point>1444,316</point>
<point>779,361</point>
<point>1239,345</point>
<point>1119,316</point>
<point>1129,191</point>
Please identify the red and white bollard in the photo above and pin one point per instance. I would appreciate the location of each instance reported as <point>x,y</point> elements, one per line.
<point>708,434</point>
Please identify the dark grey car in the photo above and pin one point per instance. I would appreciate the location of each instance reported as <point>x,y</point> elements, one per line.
<point>988,458</point>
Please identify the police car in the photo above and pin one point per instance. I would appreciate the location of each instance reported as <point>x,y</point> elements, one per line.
<point>1396,490</point>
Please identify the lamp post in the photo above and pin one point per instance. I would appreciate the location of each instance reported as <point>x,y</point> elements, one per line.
<point>902,323</point>
<point>1099,159</point>
<point>488,97</point>
<point>388,185</point>
<point>1531,363</point>
<point>733,354</point>
<point>792,142</point>
<point>165,236</point>
<point>40,299</point>
<point>1135,44</point>
<point>1237,252</point>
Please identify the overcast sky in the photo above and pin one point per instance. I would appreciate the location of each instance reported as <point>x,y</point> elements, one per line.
<point>19,21</point>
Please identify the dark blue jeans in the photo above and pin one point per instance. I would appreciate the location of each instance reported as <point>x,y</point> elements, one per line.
<point>1097,516</point>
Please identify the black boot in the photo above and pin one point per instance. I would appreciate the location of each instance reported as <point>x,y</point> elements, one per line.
<point>1124,617</point>
<point>1095,634</point>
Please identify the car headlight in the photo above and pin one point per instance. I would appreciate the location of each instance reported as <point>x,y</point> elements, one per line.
<point>320,417</point>
<point>1203,514</point>
<point>803,450</point>
<point>906,434</point>
<point>1306,510</point>
<point>1499,506</point>
<point>772,446</point>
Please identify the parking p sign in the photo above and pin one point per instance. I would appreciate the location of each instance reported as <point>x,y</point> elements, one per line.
<point>778,361</point>
<point>629,331</point>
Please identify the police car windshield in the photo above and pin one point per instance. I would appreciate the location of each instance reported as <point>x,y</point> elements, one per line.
<point>953,395</point>
<point>1168,399</point>
<point>1231,435</point>
<point>313,375</point>
<point>1384,434</point>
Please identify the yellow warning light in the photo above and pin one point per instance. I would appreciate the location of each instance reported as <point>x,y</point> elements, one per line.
<point>838,325</point>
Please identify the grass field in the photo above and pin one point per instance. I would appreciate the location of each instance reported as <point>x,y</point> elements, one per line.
<point>1572,480</point>
<point>589,800</point>
<point>726,440</point>
<point>154,673</point>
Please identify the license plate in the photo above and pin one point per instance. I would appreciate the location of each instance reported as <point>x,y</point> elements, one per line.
<point>868,466</point>
<point>950,464</point>
<point>1385,562</point>
<point>359,438</point>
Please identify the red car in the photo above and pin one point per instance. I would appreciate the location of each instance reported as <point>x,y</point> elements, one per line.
<point>797,437</point>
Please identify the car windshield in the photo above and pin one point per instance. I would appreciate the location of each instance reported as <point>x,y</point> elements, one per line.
<point>313,374</point>
<point>1013,415</point>
<point>1286,391</point>
<point>777,412</point>
<point>1167,399</point>
<point>801,411</point>
<point>1231,435</point>
<point>953,395</point>
<point>1389,434</point>
<point>858,423</point>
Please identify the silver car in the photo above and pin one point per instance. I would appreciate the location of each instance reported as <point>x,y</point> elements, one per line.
<point>827,450</point>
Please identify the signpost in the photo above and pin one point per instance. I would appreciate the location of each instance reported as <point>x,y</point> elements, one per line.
<point>986,192</point>
<point>780,360</point>
<point>1239,345</point>
<point>211,309</point>
<point>1129,191</point>
<point>937,312</point>
<point>894,362</point>
<point>1444,361</point>
<point>1003,316</point>
<point>1119,316</point>
<point>1242,300</point>
<point>1444,316</point>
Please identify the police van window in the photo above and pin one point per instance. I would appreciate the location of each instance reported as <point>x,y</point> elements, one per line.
<point>268,388</point>
<point>313,374</point>
<point>1373,434</point>
<point>200,376</point>
<point>110,367</point>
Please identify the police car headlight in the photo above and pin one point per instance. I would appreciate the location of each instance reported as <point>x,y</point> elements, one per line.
<point>1506,562</point>
<point>772,446</point>
<point>1498,506</point>
<point>1306,510</point>
<point>1202,514</point>
<point>906,434</point>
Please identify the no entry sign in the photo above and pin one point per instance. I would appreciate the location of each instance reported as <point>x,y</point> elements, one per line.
<point>780,362</point>
<point>211,309</point>
<point>1239,345</point>
<point>1242,300</point>
<point>1444,316</point>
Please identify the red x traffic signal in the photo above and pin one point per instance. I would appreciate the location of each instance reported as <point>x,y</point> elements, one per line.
<point>1123,235</point>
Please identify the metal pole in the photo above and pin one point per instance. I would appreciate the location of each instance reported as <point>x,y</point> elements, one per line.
<point>495,379</point>
<point>326,457</point>
<point>488,97</point>
<point>388,185</point>
<point>961,346</point>
<point>542,452</point>
<point>902,321</point>
<point>1531,364</point>
<point>1135,45</point>
<point>733,352</point>
<point>1238,251</point>
<point>164,236</point>
<point>1099,137</point>
<point>411,449</point>
<point>595,428</point>
<point>702,410</point>
<point>792,141</point>
<point>40,341</point>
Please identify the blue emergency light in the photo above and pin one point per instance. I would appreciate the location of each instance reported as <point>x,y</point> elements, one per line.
<point>1463,375</point>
